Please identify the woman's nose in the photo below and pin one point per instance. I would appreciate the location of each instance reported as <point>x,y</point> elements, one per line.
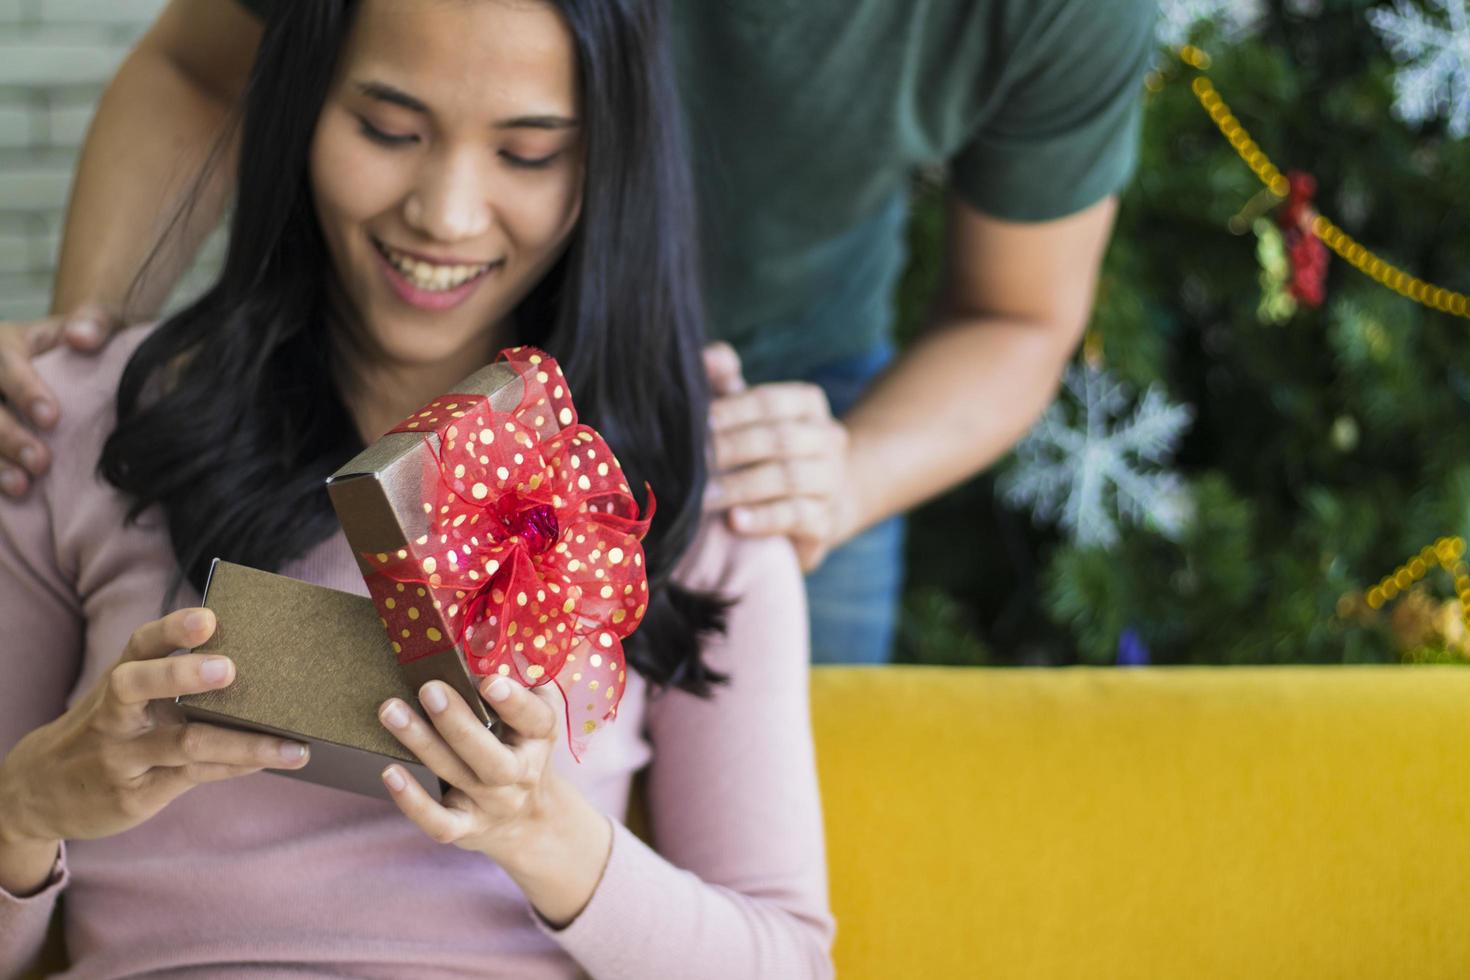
<point>451,201</point>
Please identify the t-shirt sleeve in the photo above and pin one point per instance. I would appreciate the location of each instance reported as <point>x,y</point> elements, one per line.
<point>738,885</point>
<point>1064,133</point>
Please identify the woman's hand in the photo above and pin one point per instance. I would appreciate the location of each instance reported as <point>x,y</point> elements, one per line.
<point>505,800</point>
<point>780,460</point>
<point>123,752</point>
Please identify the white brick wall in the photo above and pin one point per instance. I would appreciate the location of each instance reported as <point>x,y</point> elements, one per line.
<point>56,57</point>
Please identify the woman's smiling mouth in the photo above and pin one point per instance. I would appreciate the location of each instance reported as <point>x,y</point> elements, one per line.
<point>432,286</point>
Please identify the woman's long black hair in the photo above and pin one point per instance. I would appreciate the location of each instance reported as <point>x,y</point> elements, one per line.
<point>227,414</point>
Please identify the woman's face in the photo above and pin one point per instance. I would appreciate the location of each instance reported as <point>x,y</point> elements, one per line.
<point>447,167</point>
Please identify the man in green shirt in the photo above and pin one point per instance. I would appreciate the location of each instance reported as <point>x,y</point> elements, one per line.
<point>807,119</point>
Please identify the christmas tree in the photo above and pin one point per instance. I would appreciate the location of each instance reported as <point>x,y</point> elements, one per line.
<point>1253,435</point>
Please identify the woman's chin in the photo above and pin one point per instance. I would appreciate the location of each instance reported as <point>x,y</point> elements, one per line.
<point>415,343</point>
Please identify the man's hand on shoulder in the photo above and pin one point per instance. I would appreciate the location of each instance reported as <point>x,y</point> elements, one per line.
<point>780,460</point>
<point>28,404</point>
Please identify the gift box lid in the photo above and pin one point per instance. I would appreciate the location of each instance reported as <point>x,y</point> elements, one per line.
<point>378,496</point>
<point>311,664</point>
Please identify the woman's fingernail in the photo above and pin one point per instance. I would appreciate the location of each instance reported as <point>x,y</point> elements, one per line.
<point>214,670</point>
<point>396,715</point>
<point>434,698</point>
<point>12,482</point>
<point>741,517</point>
<point>498,690</point>
<point>30,459</point>
<point>196,622</point>
<point>394,779</point>
<point>293,752</point>
<point>43,412</point>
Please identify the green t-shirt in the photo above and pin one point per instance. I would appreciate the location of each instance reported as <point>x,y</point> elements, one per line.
<point>807,118</point>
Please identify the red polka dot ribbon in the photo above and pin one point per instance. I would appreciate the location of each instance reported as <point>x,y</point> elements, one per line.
<point>532,558</point>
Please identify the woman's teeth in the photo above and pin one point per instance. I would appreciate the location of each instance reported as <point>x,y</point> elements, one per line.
<point>432,278</point>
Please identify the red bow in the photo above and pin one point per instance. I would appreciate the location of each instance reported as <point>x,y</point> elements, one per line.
<point>533,553</point>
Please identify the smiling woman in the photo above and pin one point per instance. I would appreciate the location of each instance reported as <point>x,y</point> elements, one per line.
<point>420,183</point>
<point>589,254</point>
<point>442,203</point>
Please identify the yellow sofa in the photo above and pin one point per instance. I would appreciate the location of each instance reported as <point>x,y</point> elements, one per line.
<point>1191,823</point>
<point>1198,823</point>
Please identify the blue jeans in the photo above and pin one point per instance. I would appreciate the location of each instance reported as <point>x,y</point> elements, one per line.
<point>854,594</point>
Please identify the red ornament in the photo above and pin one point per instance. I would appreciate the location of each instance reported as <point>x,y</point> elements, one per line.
<point>1304,249</point>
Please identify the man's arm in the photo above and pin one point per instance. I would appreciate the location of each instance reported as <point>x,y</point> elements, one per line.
<point>1061,140</point>
<point>1016,299</point>
<point>155,127</point>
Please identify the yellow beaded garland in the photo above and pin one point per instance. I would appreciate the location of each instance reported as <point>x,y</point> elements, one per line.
<point>1448,553</point>
<point>1364,260</point>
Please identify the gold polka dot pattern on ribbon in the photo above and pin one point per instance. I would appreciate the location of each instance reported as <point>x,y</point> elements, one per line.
<point>533,550</point>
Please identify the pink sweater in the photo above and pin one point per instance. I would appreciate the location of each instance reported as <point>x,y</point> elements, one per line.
<point>269,876</point>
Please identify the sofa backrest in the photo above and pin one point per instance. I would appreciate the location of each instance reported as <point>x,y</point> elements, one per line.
<point>1168,822</point>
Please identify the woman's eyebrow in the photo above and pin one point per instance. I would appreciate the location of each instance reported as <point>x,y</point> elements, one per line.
<point>537,122</point>
<point>384,92</point>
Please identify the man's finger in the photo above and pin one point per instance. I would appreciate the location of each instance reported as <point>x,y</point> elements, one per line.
<point>13,481</point>
<point>722,365</point>
<point>784,401</point>
<point>42,335</point>
<point>795,516</point>
<point>19,445</point>
<point>89,327</point>
<point>20,385</point>
<point>776,480</point>
<point>753,485</point>
<point>760,443</point>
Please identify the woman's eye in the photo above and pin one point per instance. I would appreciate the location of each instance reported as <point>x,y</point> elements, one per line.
<point>387,139</point>
<point>529,163</point>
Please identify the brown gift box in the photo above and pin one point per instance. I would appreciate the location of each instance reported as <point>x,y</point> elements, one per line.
<point>313,665</point>
<point>380,498</point>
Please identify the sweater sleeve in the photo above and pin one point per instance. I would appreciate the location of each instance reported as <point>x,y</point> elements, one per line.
<point>40,656</point>
<point>738,887</point>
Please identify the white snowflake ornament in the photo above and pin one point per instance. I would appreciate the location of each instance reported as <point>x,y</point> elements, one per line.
<point>1104,468</point>
<point>1178,18</point>
<point>1434,61</point>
